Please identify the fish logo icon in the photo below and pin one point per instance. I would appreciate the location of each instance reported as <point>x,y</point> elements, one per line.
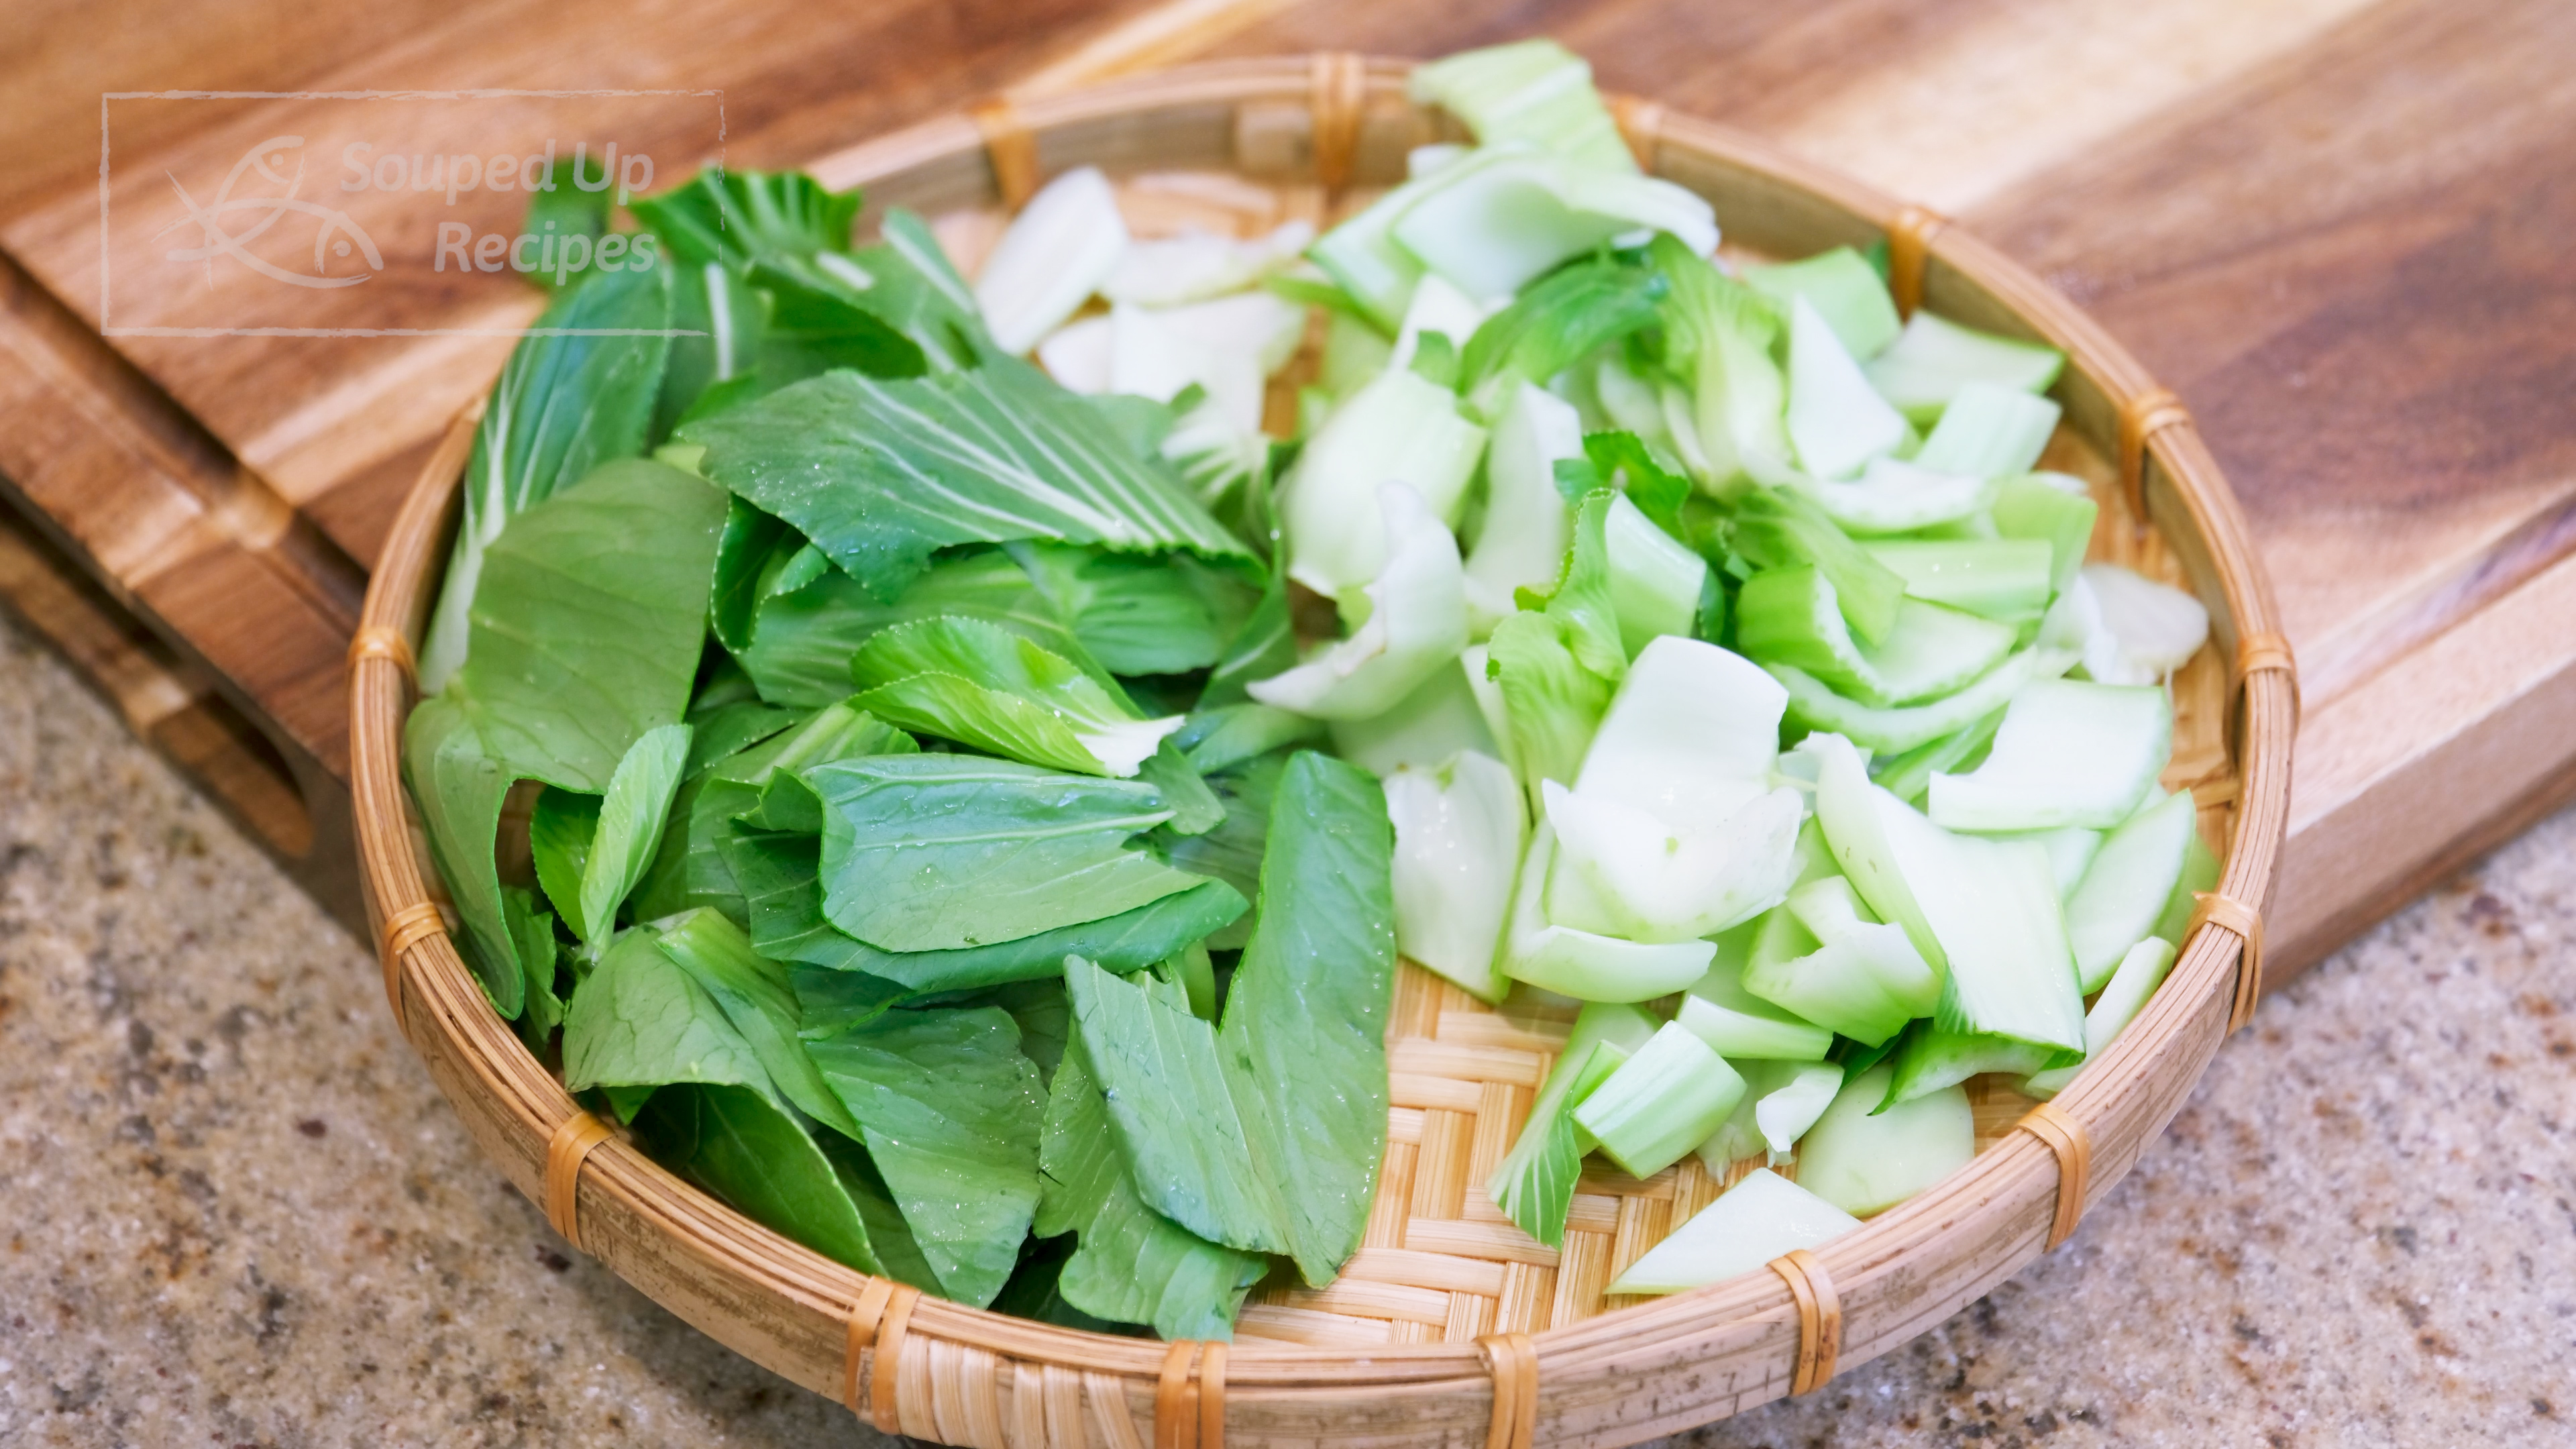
<point>265,166</point>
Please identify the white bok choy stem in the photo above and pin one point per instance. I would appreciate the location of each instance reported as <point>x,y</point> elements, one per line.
<point>1673,829</point>
<point>1864,1161</point>
<point>1196,265</point>
<point>2140,972</point>
<point>1494,222</point>
<point>1751,1223</point>
<point>1417,622</point>
<point>2155,628</point>
<point>1401,426</point>
<point>1056,253</point>
<point>1458,837</point>
<point>1837,421</point>
<point>1583,964</point>
<point>1424,729</point>
<point>1527,524</point>
<point>2068,753</point>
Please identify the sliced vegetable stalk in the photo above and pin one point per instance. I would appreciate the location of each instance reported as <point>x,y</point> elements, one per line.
<point>1532,90</point>
<point>2156,629</point>
<point>1196,265</point>
<point>1798,1100</point>
<point>1661,1102</point>
<point>1534,1183</point>
<point>1759,1219</point>
<point>1416,624</point>
<point>1781,528</point>
<point>1893,497</point>
<point>1672,830</point>
<point>1899,728</point>
<point>1791,616</point>
<point>2125,889</point>
<point>2068,753</point>
<point>1931,1059</point>
<point>1582,964</point>
<point>1989,432</point>
<point>1845,291</point>
<point>1837,421</point>
<point>1864,1161</point>
<point>1740,1025</point>
<point>1656,584</point>
<point>1860,978</point>
<point>1723,334</point>
<point>1458,838</point>
<point>1421,731</point>
<point>2031,508</point>
<point>1527,524</point>
<point>1498,219</point>
<point>1932,359</point>
<point>1984,913</point>
<point>2004,578</point>
<point>1400,428</point>
<point>1908,776</point>
<point>1065,242</point>
<point>1556,666</point>
<point>2141,970</point>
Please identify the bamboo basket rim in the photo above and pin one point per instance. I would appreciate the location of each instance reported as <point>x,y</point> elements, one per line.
<point>445,1017</point>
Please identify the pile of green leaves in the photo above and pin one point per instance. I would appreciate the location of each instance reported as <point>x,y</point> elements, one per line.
<point>900,858</point>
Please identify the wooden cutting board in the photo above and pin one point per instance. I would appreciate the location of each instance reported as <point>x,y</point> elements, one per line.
<point>2335,227</point>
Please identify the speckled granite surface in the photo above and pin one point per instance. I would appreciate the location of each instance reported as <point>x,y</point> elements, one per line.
<point>234,1211</point>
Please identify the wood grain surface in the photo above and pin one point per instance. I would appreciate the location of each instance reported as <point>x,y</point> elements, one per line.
<point>2334,226</point>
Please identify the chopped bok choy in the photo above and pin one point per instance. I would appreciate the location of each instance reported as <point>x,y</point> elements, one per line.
<point>989,742</point>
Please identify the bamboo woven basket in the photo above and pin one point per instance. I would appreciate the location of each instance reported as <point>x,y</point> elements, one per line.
<point>1451,1327</point>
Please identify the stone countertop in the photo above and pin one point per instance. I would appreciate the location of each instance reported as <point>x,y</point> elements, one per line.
<point>234,1210</point>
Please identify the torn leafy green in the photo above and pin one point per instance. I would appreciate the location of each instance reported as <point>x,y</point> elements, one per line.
<point>980,684</point>
<point>1130,1263</point>
<point>577,393</point>
<point>1174,1115</point>
<point>780,879</point>
<point>940,852</point>
<point>1304,1036</point>
<point>880,474</point>
<point>950,1110</point>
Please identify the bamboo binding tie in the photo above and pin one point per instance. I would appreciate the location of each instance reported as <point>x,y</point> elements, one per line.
<point>1513,1359</point>
<point>2066,1137</point>
<point>565,1153</point>
<point>1909,252</point>
<point>885,1407</point>
<point>2256,653</point>
<point>1337,99</point>
<point>1641,125</point>
<point>405,929</point>
<point>378,642</point>
<point>2230,914</point>
<point>1190,1413</point>
<point>2141,418</point>
<point>1820,1319</point>
<point>865,1315</point>
<point>1010,147</point>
